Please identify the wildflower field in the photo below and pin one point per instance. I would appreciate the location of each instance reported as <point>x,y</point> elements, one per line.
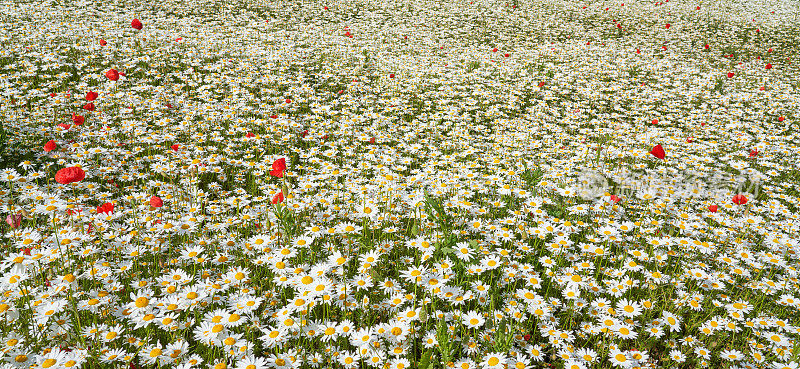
<point>399,184</point>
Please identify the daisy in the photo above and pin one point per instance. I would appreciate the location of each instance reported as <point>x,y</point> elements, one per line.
<point>398,331</point>
<point>732,355</point>
<point>53,359</point>
<point>630,309</point>
<point>273,336</point>
<point>618,358</point>
<point>494,360</point>
<point>574,364</point>
<point>473,319</point>
<point>677,356</point>
<point>152,353</point>
<point>252,362</point>
<point>349,360</point>
<point>587,355</point>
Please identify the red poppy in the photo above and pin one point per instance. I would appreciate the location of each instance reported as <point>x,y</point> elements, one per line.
<point>174,147</point>
<point>658,152</point>
<point>288,101</point>
<point>494,50</point>
<point>707,46</point>
<point>278,167</point>
<point>753,153</point>
<point>667,26</point>
<point>89,106</point>
<point>769,66</point>
<point>689,139</point>
<point>107,208</point>
<point>136,24</point>
<point>325,7</point>
<point>273,116</point>
<point>730,74</point>
<point>304,133</point>
<point>103,42</point>
<point>91,96</point>
<point>156,202</point>
<point>250,134</point>
<point>50,146</point>
<point>64,126</point>
<point>780,119</point>
<point>112,74</point>
<point>78,119</point>
<point>506,55</point>
<point>69,175</point>
<point>655,121</point>
<point>541,84</point>
<point>278,198</point>
<point>372,140</point>
<point>739,199</point>
<point>391,75</point>
<point>713,208</point>
<point>615,198</point>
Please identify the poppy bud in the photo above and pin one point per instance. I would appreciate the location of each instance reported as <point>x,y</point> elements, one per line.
<point>14,220</point>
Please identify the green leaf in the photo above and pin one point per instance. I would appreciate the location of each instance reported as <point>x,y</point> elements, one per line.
<point>425,361</point>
